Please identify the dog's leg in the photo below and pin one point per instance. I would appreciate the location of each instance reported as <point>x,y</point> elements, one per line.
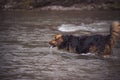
<point>93,49</point>
<point>107,51</point>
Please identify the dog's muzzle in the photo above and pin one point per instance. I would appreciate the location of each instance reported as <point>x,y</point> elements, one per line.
<point>52,44</point>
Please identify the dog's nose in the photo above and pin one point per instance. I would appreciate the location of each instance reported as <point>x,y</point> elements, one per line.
<point>52,42</point>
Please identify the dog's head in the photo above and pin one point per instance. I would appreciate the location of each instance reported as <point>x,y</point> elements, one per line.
<point>56,41</point>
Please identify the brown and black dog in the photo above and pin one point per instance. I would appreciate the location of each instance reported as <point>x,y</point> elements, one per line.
<point>100,44</point>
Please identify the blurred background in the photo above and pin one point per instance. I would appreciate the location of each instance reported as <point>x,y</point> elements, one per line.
<point>29,4</point>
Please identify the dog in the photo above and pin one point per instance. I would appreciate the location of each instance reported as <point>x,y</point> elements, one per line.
<point>100,44</point>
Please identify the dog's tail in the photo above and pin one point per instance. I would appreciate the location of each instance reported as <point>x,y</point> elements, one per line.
<point>114,33</point>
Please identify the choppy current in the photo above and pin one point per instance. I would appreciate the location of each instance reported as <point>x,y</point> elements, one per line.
<point>25,52</point>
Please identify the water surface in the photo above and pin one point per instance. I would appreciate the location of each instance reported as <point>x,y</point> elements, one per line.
<point>25,52</point>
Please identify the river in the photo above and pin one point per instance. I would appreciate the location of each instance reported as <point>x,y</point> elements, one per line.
<point>25,52</point>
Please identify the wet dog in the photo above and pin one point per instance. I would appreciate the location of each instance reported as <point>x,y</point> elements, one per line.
<point>100,44</point>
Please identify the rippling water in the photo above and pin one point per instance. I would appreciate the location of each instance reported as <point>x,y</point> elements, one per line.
<point>25,52</point>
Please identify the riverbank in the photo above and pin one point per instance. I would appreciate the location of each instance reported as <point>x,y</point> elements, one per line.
<point>60,5</point>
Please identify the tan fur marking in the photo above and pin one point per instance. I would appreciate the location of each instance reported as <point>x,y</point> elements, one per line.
<point>107,50</point>
<point>115,33</point>
<point>93,49</point>
<point>58,36</point>
<point>71,49</point>
<point>57,40</point>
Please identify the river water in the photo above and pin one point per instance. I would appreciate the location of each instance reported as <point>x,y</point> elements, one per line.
<point>25,52</point>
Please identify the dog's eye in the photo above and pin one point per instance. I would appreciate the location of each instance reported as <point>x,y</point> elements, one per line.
<point>56,39</point>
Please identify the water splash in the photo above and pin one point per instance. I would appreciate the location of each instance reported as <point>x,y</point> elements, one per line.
<point>93,27</point>
<point>68,28</point>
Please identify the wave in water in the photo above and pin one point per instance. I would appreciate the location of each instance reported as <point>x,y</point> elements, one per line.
<point>94,27</point>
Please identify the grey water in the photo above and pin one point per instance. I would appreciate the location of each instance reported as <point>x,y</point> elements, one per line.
<point>25,52</point>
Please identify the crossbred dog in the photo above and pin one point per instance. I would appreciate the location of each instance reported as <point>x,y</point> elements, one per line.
<point>101,44</point>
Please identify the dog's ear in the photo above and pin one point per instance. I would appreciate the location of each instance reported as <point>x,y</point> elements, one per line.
<point>58,36</point>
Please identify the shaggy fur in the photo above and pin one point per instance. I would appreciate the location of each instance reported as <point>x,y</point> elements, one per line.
<point>84,44</point>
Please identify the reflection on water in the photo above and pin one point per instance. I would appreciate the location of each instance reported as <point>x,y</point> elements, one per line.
<point>25,52</point>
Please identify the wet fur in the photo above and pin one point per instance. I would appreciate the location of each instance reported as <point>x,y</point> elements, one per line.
<point>95,44</point>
